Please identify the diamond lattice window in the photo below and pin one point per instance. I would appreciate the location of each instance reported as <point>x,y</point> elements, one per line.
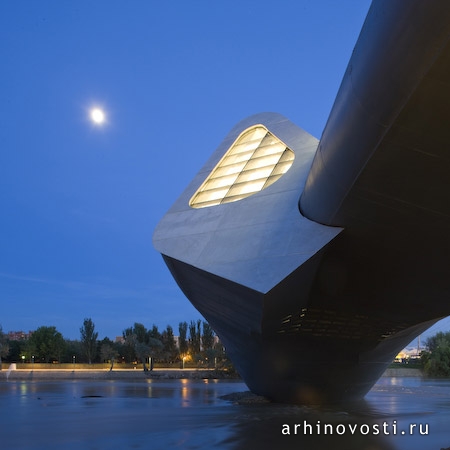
<point>255,161</point>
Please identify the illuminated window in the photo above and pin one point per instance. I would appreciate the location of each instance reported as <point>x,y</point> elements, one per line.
<point>255,161</point>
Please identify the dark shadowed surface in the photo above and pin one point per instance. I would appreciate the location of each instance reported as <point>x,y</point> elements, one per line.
<point>189,414</point>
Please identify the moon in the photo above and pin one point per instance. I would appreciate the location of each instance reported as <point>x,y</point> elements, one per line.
<point>97,116</point>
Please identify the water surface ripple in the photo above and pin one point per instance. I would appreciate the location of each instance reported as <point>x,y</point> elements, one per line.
<point>193,414</point>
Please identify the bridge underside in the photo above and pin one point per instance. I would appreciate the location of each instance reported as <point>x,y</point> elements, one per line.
<point>316,282</point>
<point>308,339</point>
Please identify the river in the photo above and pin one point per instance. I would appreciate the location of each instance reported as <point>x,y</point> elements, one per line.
<point>397,414</point>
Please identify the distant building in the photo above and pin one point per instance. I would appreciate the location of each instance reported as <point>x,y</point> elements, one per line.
<point>19,335</point>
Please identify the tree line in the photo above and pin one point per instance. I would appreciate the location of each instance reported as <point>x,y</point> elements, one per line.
<point>197,344</point>
<point>436,359</point>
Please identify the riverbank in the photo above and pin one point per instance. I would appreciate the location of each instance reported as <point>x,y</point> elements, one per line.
<point>139,374</point>
<point>403,372</point>
<point>119,374</point>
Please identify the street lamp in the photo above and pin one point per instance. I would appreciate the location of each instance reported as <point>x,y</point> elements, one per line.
<point>23,359</point>
<point>73,361</point>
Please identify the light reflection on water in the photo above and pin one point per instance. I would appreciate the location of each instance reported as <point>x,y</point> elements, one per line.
<point>190,414</point>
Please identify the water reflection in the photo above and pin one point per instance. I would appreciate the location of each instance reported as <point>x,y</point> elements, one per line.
<point>189,414</point>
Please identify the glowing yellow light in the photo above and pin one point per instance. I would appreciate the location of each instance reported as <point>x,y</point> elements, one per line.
<point>254,162</point>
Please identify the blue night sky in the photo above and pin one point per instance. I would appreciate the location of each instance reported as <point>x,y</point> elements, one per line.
<point>79,202</point>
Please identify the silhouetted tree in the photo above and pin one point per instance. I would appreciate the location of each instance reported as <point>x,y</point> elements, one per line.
<point>142,342</point>
<point>154,333</point>
<point>140,332</point>
<point>155,342</point>
<point>16,348</point>
<point>142,352</point>
<point>194,337</point>
<point>46,343</point>
<point>4,347</point>
<point>73,348</point>
<point>182,338</point>
<point>89,339</point>
<point>108,352</point>
<point>207,337</point>
<point>169,345</point>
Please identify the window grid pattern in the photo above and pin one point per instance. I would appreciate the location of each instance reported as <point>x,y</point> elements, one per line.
<point>339,325</point>
<point>255,161</point>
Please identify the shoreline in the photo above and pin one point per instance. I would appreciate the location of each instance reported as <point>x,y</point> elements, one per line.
<point>115,374</point>
<point>138,374</point>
